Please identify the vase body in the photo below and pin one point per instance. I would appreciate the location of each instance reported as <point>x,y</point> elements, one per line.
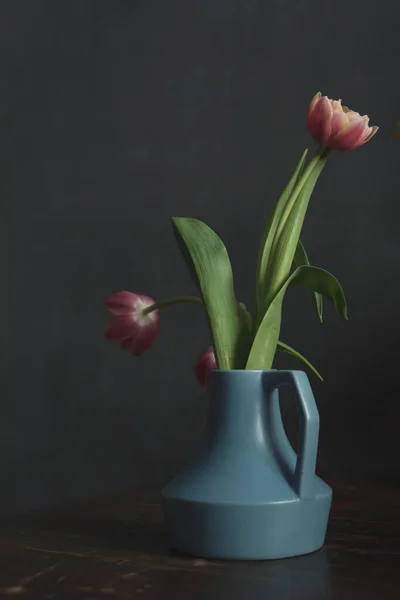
<point>248,495</point>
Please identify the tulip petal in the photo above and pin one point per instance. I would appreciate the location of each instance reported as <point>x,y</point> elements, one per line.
<point>121,303</point>
<point>122,327</point>
<point>141,303</point>
<point>142,340</point>
<point>349,137</point>
<point>319,121</point>
<point>312,121</point>
<point>339,120</point>
<point>370,134</point>
<point>337,105</point>
<point>205,363</point>
<point>314,102</point>
<point>354,116</point>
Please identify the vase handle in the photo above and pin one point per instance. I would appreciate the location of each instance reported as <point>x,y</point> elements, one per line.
<point>304,474</point>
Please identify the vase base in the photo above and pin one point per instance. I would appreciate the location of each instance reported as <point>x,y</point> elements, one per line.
<point>236,532</point>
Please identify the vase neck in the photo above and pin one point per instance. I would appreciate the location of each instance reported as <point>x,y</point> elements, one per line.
<point>238,406</point>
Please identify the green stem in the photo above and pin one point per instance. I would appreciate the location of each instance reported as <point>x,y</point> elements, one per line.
<point>321,152</point>
<point>175,300</point>
<point>274,280</point>
<point>293,352</point>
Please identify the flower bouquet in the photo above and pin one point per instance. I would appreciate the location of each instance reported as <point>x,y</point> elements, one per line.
<point>248,494</point>
<point>243,339</point>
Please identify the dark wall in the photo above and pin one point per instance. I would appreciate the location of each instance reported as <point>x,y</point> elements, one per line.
<point>116,116</point>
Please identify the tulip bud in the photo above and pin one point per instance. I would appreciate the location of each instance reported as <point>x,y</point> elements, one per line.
<point>205,363</point>
<point>128,325</point>
<point>337,127</point>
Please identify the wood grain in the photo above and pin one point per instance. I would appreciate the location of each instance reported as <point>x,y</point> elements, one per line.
<point>116,548</point>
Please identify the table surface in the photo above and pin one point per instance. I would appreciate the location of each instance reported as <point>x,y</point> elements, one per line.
<point>116,548</point>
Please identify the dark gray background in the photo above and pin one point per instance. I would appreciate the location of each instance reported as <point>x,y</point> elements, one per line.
<point>116,116</point>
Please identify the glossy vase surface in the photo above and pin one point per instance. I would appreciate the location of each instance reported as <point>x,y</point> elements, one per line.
<point>248,495</point>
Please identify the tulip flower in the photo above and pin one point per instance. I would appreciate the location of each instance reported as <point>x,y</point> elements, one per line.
<point>205,363</point>
<point>337,127</point>
<point>130,324</point>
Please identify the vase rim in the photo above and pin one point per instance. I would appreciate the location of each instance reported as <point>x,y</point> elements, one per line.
<point>243,370</point>
<point>253,371</point>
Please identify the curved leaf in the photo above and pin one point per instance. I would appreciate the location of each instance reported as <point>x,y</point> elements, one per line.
<point>324,283</point>
<point>245,317</point>
<point>265,342</point>
<point>208,261</point>
<point>300,259</point>
<point>272,224</point>
<point>293,352</point>
<point>281,345</point>
<point>289,227</point>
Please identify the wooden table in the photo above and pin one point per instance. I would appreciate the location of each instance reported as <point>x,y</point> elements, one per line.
<point>116,548</point>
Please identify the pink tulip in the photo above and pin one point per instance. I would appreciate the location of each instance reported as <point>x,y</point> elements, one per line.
<point>205,363</point>
<point>335,126</point>
<point>135,331</point>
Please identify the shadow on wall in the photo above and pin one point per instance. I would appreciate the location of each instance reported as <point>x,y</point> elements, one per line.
<point>361,423</point>
<point>357,402</point>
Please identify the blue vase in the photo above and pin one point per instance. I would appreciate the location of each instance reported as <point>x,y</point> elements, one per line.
<point>247,495</point>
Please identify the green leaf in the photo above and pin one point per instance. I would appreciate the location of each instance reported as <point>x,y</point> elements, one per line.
<point>263,350</point>
<point>245,316</point>
<point>324,283</point>
<point>289,227</point>
<point>293,352</point>
<point>209,263</point>
<point>272,224</point>
<point>300,259</point>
